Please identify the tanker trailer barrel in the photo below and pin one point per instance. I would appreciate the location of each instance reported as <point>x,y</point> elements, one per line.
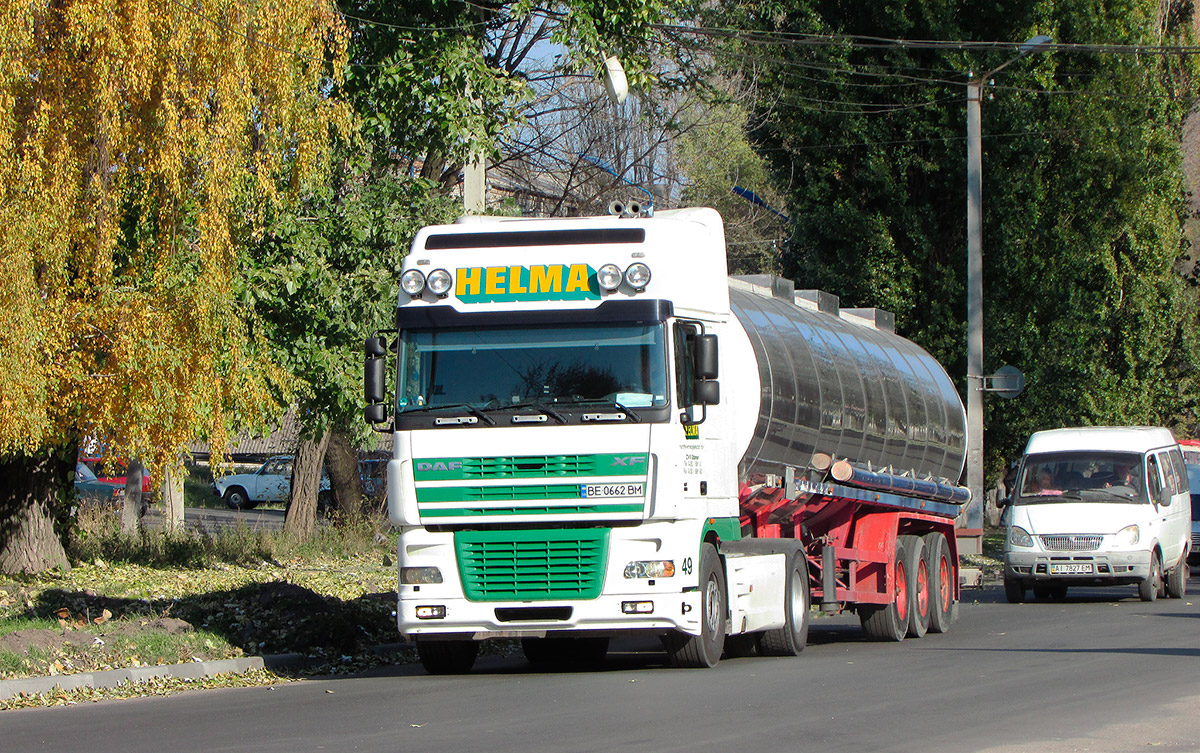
<point>846,473</point>
<point>831,381</point>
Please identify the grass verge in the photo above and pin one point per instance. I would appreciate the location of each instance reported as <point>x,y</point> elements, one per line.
<point>164,598</point>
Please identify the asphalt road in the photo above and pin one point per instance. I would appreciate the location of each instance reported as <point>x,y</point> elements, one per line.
<point>218,519</point>
<point>1099,672</point>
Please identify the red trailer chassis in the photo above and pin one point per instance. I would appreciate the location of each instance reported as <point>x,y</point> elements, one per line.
<point>850,538</point>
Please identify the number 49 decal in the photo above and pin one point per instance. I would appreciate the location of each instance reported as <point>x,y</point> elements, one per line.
<point>686,566</point>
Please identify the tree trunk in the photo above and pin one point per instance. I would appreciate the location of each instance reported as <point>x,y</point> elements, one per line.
<point>30,492</point>
<point>172,498</point>
<point>301,518</point>
<point>342,462</point>
<point>131,512</point>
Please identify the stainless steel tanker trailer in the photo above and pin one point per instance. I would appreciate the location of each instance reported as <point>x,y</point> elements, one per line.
<point>598,433</point>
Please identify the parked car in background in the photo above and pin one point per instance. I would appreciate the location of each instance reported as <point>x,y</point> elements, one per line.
<point>272,482</point>
<point>92,490</point>
<point>1193,473</point>
<point>100,468</point>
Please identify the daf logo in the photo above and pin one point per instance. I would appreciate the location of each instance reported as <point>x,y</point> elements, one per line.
<point>453,465</point>
<point>629,460</point>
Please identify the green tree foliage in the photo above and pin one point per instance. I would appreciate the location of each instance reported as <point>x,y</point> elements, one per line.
<point>437,81</point>
<point>715,157</point>
<point>1083,196</point>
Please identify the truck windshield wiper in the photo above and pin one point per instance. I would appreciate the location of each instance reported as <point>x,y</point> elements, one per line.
<point>607,402</point>
<point>453,406</point>
<point>531,404</point>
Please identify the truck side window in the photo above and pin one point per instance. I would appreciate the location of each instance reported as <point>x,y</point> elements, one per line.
<point>685,345</point>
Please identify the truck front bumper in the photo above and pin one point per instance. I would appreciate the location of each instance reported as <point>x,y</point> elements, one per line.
<point>607,614</point>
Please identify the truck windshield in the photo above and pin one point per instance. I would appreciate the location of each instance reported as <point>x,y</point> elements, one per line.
<point>488,368</point>
<point>1087,476</point>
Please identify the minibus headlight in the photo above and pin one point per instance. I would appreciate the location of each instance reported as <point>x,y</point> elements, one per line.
<point>1129,535</point>
<point>1018,536</point>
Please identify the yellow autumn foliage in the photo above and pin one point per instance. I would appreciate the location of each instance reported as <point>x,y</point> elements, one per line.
<point>143,141</point>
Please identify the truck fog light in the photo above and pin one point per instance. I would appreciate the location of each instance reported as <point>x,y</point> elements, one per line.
<point>1129,535</point>
<point>638,275</point>
<point>439,282</point>
<point>419,576</point>
<point>637,607</point>
<point>1019,537</point>
<point>412,282</point>
<point>609,277</point>
<point>431,612</point>
<point>650,569</point>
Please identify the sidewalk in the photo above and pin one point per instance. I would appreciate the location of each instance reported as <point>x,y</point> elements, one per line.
<point>114,677</point>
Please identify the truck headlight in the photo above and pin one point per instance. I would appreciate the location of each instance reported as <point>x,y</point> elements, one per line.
<point>413,282</point>
<point>609,277</point>
<point>419,576</point>
<point>650,569</point>
<point>638,275</point>
<point>1018,536</point>
<point>439,282</point>
<point>1129,535</point>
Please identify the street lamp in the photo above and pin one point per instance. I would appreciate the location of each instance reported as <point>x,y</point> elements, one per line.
<point>974,522</point>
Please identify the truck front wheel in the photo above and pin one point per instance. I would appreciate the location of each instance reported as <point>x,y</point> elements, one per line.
<point>704,650</point>
<point>790,639</point>
<point>447,657</point>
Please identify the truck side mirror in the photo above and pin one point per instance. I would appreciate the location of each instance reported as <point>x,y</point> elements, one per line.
<point>707,392</point>
<point>376,413</point>
<point>374,394</point>
<point>705,357</point>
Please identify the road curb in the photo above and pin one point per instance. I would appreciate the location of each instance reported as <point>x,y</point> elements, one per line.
<point>115,677</point>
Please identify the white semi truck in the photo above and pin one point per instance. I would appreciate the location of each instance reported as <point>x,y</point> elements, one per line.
<point>598,433</point>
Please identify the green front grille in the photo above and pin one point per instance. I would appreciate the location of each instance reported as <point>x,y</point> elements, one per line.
<point>532,565</point>
<point>531,466</point>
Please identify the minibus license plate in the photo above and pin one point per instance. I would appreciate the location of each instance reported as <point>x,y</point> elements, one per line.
<point>612,490</point>
<point>1071,568</point>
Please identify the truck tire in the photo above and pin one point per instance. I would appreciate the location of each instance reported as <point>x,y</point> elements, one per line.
<point>1177,580</point>
<point>791,639</point>
<point>1148,589</point>
<point>237,499</point>
<point>704,650</point>
<point>943,606</point>
<point>889,622</point>
<point>567,653</point>
<point>1014,590</point>
<point>919,602</point>
<point>447,657</point>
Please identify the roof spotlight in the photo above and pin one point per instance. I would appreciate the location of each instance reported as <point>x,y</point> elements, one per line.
<point>413,282</point>
<point>637,275</point>
<point>440,282</point>
<point>609,277</point>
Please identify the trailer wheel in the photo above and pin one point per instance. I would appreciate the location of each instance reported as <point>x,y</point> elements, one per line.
<point>447,657</point>
<point>791,639</point>
<point>943,606</point>
<point>889,622</point>
<point>704,650</point>
<point>565,652</point>
<point>919,601</point>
